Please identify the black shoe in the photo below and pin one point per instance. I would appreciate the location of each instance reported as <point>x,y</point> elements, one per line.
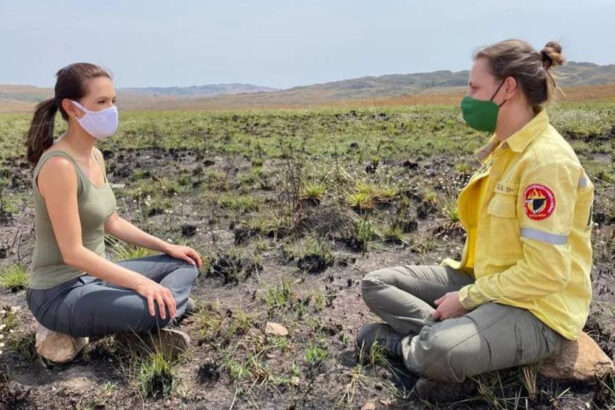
<point>383,335</point>
<point>443,392</point>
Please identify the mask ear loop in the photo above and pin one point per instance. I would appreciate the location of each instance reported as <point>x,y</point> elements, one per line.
<point>496,92</point>
<point>85,110</point>
<point>81,107</point>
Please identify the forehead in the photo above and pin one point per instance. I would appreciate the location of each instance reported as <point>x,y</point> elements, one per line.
<point>480,72</point>
<point>100,87</point>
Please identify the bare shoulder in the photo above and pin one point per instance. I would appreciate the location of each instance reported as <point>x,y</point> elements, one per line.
<point>57,175</point>
<point>57,166</point>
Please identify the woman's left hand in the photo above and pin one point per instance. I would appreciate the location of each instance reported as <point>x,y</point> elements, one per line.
<point>185,253</point>
<point>448,306</point>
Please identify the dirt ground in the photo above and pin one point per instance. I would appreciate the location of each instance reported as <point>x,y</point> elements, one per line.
<point>302,272</point>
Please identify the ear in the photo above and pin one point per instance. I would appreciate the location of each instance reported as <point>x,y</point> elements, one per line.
<point>71,109</point>
<point>510,87</point>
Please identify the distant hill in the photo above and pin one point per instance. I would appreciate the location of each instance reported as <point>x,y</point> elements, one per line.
<point>386,85</point>
<point>23,97</point>
<point>392,85</point>
<point>573,74</point>
<point>576,74</point>
<point>198,90</point>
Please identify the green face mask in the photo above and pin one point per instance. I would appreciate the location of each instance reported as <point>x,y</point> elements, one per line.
<point>482,115</point>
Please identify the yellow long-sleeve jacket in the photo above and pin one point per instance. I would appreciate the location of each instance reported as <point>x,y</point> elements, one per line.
<point>527,214</point>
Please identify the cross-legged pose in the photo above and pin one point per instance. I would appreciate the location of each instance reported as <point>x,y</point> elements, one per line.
<point>523,285</point>
<point>74,289</point>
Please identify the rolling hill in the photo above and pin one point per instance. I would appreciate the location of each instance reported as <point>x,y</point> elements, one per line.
<point>573,74</point>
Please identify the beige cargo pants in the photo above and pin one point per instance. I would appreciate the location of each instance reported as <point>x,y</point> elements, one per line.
<point>490,337</point>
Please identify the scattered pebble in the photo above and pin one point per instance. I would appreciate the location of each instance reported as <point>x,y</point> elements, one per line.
<point>275,329</point>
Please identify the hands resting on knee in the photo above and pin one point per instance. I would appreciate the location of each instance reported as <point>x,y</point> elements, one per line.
<point>448,306</point>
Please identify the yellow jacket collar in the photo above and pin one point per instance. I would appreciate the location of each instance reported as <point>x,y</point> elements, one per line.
<point>483,152</point>
<point>522,138</point>
<point>519,140</point>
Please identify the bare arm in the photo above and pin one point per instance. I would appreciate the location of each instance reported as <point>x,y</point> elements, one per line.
<point>127,232</point>
<point>57,183</point>
<point>123,230</point>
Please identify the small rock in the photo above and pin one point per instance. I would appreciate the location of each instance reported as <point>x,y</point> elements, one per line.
<point>275,329</point>
<point>579,360</point>
<point>370,405</point>
<point>57,347</point>
<point>295,381</point>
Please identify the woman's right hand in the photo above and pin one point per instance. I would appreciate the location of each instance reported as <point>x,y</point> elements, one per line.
<point>155,292</point>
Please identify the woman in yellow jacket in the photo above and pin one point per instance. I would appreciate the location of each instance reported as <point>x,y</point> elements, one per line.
<point>523,285</point>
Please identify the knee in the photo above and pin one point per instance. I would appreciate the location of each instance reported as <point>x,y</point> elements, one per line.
<point>369,284</point>
<point>443,360</point>
<point>376,279</point>
<point>189,271</point>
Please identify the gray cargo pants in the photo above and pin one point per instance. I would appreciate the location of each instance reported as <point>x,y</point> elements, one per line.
<point>490,337</point>
<point>86,306</point>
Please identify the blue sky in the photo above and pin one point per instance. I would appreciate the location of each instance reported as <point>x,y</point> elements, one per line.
<point>283,43</point>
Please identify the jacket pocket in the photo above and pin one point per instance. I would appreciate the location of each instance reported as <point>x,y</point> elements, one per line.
<point>504,240</point>
<point>503,206</point>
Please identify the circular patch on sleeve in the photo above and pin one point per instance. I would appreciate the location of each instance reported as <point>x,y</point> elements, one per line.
<point>539,202</point>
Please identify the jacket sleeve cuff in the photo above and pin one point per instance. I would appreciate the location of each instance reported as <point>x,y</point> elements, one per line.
<point>470,297</point>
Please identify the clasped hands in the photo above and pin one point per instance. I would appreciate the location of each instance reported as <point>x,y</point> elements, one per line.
<point>448,306</point>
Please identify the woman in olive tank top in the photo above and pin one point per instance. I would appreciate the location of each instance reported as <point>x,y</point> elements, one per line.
<point>73,288</point>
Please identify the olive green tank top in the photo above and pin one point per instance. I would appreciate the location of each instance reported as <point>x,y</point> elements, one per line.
<point>95,205</point>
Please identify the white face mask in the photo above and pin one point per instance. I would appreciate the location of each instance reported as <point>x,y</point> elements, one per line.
<point>99,124</point>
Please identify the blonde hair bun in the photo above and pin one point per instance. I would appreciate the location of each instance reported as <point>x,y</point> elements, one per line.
<point>552,55</point>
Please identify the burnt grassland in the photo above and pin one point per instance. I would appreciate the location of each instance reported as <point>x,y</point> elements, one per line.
<point>289,209</point>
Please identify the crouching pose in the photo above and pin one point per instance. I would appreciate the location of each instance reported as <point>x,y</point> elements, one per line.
<point>74,289</point>
<point>523,285</point>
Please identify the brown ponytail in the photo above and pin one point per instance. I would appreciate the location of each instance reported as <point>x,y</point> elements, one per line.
<point>40,134</point>
<point>71,83</point>
<point>531,69</point>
